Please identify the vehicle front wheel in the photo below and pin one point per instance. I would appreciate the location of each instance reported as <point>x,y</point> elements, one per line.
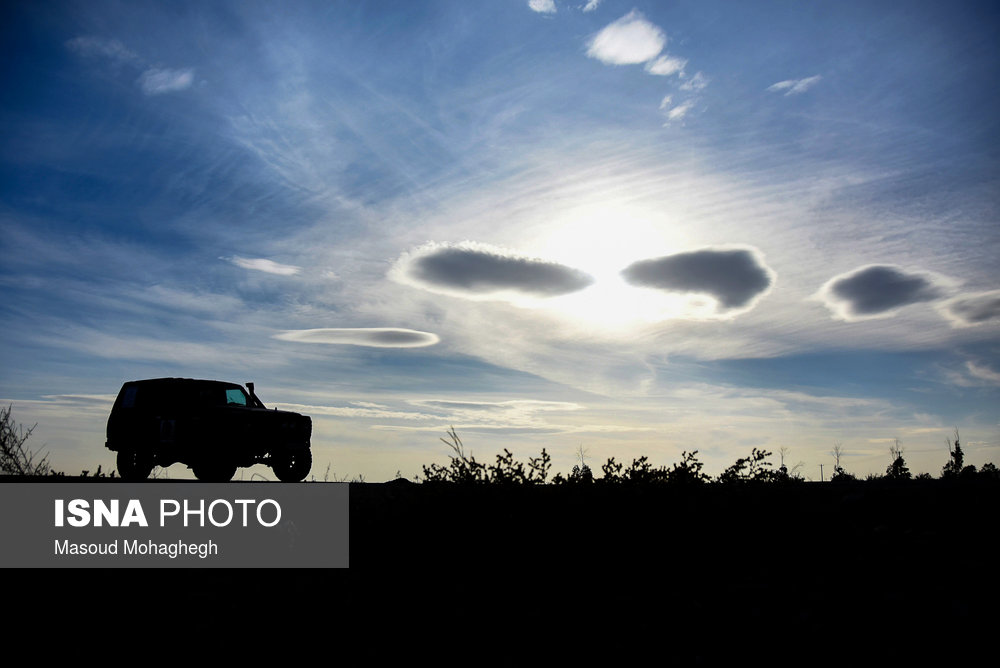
<point>292,466</point>
<point>134,464</point>
<point>214,472</point>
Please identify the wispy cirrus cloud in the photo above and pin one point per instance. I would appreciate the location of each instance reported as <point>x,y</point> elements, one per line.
<point>983,373</point>
<point>158,81</point>
<point>735,277</point>
<point>630,40</point>
<point>591,5</point>
<point>675,112</point>
<point>795,86</point>
<point>264,265</point>
<point>696,83</point>
<point>152,80</point>
<point>878,291</point>
<point>481,271</point>
<point>374,337</point>
<point>113,49</point>
<point>973,309</point>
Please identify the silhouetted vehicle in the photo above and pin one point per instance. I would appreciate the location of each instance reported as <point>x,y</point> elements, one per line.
<point>212,426</point>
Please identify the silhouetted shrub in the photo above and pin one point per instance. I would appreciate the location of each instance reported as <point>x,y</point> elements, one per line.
<point>15,457</point>
<point>842,476</point>
<point>688,470</point>
<point>507,471</point>
<point>581,475</point>
<point>612,471</point>
<point>754,468</point>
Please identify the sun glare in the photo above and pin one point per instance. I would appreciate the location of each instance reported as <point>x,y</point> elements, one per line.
<point>602,240</point>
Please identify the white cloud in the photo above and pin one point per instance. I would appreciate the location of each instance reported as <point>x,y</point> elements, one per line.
<point>628,41</point>
<point>375,337</point>
<point>260,264</point>
<point>795,86</point>
<point>591,5</point>
<point>664,66</point>
<point>543,6</point>
<point>157,81</point>
<point>695,83</point>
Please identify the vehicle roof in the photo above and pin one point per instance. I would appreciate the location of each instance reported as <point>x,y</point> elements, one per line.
<point>181,381</point>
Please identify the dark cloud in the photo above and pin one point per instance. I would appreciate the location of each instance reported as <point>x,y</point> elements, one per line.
<point>878,290</point>
<point>376,337</point>
<point>974,309</point>
<point>735,277</point>
<point>481,270</point>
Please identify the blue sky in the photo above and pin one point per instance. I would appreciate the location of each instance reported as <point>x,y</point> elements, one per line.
<point>634,228</point>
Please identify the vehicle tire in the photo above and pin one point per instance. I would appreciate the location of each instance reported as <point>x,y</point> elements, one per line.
<point>292,466</point>
<point>214,472</point>
<point>134,464</point>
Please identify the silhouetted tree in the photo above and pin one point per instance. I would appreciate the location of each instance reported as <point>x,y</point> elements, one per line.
<point>839,473</point>
<point>581,472</point>
<point>897,470</point>
<point>15,457</point>
<point>957,459</point>
<point>955,466</point>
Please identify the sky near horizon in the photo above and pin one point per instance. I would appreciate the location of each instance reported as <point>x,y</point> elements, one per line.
<point>621,228</point>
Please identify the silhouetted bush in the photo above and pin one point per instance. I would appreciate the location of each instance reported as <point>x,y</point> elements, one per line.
<point>15,457</point>
<point>507,471</point>
<point>580,475</point>
<point>688,470</point>
<point>754,468</point>
<point>463,468</point>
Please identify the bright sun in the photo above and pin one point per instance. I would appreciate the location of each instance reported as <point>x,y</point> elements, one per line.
<point>602,240</point>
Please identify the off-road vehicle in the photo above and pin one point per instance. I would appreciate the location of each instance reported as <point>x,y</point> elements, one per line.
<point>212,426</point>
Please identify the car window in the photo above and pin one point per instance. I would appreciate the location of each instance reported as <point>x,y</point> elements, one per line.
<point>235,397</point>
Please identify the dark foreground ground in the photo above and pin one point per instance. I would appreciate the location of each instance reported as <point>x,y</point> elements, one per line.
<point>811,573</point>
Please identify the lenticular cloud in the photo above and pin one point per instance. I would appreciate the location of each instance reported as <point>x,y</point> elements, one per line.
<point>878,291</point>
<point>973,309</point>
<point>479,271</point>
<point>375,337</point>
<point>735,277</point>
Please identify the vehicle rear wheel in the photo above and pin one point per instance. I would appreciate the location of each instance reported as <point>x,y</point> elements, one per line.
<point>292,466</point>
<point>214,472</point>
<point>134,464</point>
